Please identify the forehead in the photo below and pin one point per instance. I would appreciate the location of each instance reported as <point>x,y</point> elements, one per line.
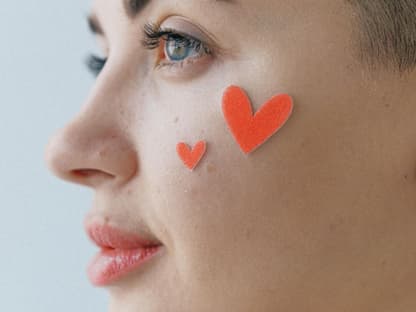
<point>132,8</point>
<point>107,15</point>
<point>226,18</point>
<point>253,8</point>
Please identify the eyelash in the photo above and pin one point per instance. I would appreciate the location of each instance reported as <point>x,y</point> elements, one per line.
<point>152,36</point>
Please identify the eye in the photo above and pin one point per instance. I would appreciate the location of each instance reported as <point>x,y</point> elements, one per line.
<point>178,48</point>
<point>95,64</point>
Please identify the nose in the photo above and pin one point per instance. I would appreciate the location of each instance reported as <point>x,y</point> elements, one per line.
<point>94,149</point>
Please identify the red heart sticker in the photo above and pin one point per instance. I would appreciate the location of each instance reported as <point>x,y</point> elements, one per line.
<point>191,157</point>
<point>252,131</point>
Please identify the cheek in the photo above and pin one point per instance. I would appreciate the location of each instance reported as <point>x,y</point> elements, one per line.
<point>228,193</point>
<point>194,203</point>
<point>188,201</point>
<point>234,212</point>
<point>223,196</point>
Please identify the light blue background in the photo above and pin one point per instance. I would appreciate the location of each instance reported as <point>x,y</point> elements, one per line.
<point>43,83</point>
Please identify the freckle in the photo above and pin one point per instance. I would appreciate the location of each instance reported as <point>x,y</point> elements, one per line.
<point>211,168</point>
<point>247,234</point>
<point>303,143</point>
<point>337,223</point>
<point>406,176</point>
<point>176,120</point>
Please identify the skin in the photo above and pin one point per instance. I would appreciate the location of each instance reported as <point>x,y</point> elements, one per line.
<point>319,218</point>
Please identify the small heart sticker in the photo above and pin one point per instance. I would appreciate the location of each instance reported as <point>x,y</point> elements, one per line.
<point>250,131</point>
<point>191,157</point>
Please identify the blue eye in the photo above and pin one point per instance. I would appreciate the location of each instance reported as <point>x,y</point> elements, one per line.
<point>177,50</point>
<point>177,47</point>
<point>95,64</point>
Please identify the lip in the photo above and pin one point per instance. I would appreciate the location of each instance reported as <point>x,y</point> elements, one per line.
<point>121,253</point>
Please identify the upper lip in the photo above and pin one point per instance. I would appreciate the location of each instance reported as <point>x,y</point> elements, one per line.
<point>106,236</point>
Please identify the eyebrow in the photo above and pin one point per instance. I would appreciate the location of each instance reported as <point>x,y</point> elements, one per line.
<point>132,8</point>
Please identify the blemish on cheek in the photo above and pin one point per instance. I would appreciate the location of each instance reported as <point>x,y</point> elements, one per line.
<point>338,222</point>
<point>211,168</point>
<point>410,177</point>
<point>102,153</point>
<point>247,234</point>
<point>194,192</point>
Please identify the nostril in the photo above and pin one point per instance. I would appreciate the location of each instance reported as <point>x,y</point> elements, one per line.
<point>90,177</point>
<point>84,172</point>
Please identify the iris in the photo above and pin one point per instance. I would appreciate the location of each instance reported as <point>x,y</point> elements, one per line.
<point>177,50</point>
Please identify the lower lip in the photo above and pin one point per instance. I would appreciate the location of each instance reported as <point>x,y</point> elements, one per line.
<point>112,264</point>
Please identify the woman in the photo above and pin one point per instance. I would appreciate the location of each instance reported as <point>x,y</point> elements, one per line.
<point>320,217</point>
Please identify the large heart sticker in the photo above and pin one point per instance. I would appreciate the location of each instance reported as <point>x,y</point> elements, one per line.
<point>191,157</point>
<point>250,131</point>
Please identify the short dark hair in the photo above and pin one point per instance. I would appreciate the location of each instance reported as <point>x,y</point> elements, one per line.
<point>387,33</point>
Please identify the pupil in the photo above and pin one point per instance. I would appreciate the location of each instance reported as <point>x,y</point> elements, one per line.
<point>177,50</point>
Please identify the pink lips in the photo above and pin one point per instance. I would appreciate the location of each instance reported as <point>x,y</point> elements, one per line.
<point>121,253</point>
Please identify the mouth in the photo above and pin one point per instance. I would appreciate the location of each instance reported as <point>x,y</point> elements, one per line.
<point>121,253</point>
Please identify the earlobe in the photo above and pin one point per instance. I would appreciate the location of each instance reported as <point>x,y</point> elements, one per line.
<point>251,131</point>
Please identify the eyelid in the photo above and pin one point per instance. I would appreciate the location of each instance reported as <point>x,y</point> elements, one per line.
<point>177,23</point>
<point>186,26</point>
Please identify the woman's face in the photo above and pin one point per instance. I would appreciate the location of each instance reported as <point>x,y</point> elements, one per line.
<point>301,218</point>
